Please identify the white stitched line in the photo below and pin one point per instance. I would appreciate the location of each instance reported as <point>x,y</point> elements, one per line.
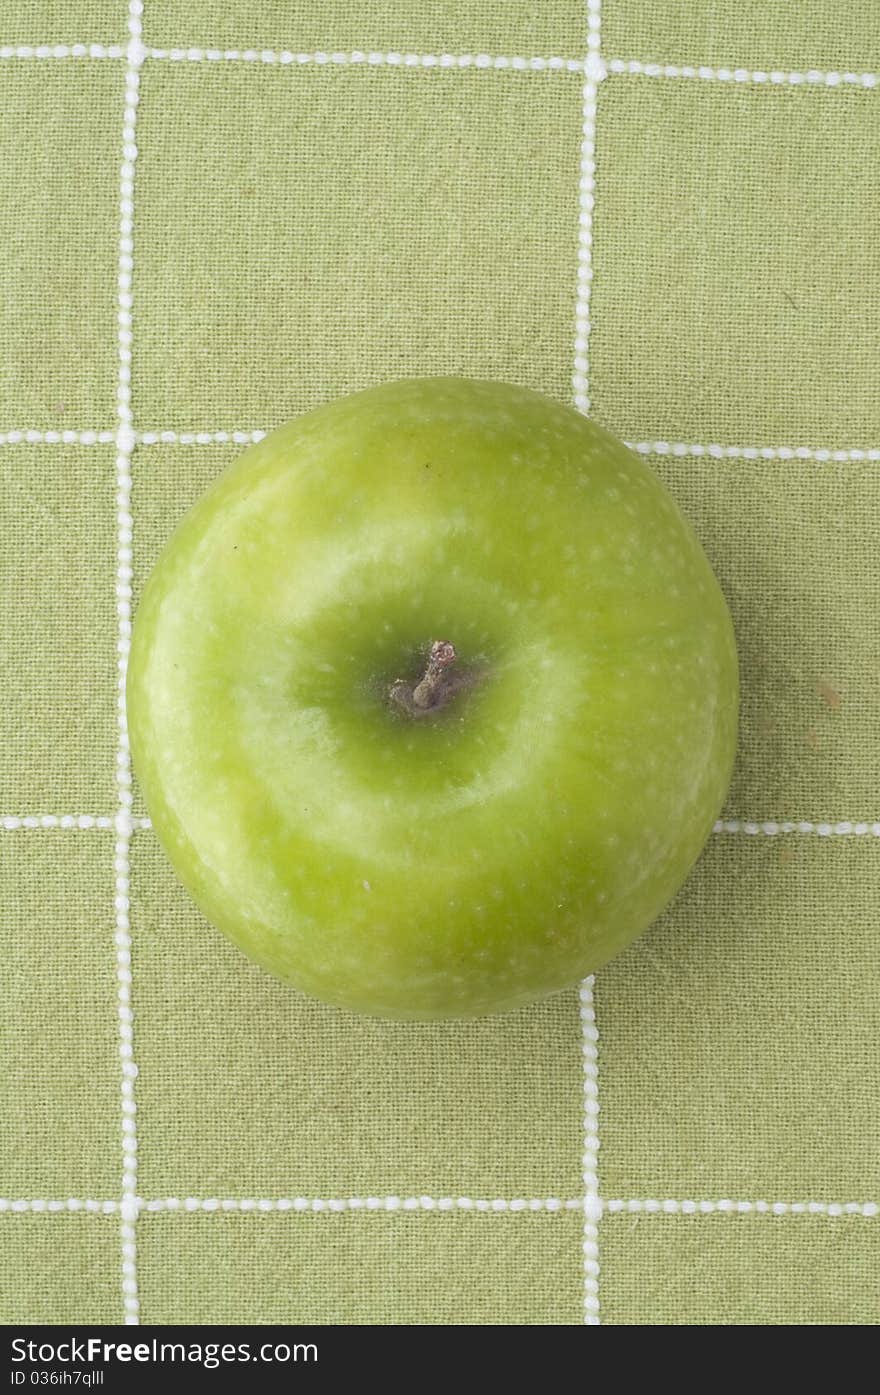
<point>9,823</point>
<point>595,1209</point>
<point>595,70</point>
<point>846,828</point>
<point>125,442</point>
<point>580,383</point>
<point>813,77</point>
<point>70,1203</point>
<point>718,452</point>
<point>499,1205</point>
<point>54,438</point>
<point>125,437</point>
<point>141,438</point>
<point>198,438</point>
<point>243,438</point>
<point>365,1203</point>
<point>591,1202</point>
<point>363,58</point>
<point>771,828</point>
<point>61,51</point>
<point>641,1206</point>
<point>618,67</point>
<point>868,1210</point>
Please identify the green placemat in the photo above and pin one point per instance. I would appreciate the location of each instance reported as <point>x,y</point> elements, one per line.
<point>218,216</point>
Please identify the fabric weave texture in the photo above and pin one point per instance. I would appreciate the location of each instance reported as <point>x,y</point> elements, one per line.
<point>305,229</point>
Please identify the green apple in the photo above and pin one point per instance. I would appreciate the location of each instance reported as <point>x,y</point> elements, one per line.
<point>433,699</point>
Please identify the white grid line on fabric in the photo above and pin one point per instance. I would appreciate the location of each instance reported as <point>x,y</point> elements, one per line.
<point>54,438</point>
<point>770,828</point>
<point>10,823</point>
<point>125,443</point>
<point>62,51</point>
<point>203,438</point>
<point>719,452</point>
<point>286,57</point>
<point>586,201</point>
<point>775,77</point>
<point>20,1205</point>
<point>711,449</point>
<point>590,1201</point>
<point>617,67</point>
<point>672,1207</point>
<point>125,438</point>
<point>374,59</point>
<point>580,385</point>
<point>600,1209</point>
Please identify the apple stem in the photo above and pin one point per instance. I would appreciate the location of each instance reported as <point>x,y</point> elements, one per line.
<point>434,688</point>
<point>442,655</point>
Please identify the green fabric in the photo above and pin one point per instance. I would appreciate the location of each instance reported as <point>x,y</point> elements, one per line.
<point>57,618</point>
<point>784,34</point>
<point>421,26</point>
<point>387,1108</point>
<point>743,1270</point>
<point>799,570</point>
<point>302,231</point>
<point>60,22</point>
<point>737,258</point>
<point>372,227</point>
<point>355,1268</point>
<point>60,1269</point>
<point>60,1072</point>
<point>60,136</point>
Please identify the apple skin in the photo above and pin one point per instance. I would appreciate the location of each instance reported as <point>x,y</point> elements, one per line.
<point>513,842</point>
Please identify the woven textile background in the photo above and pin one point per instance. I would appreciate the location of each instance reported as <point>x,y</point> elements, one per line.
<point>216,216</point>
